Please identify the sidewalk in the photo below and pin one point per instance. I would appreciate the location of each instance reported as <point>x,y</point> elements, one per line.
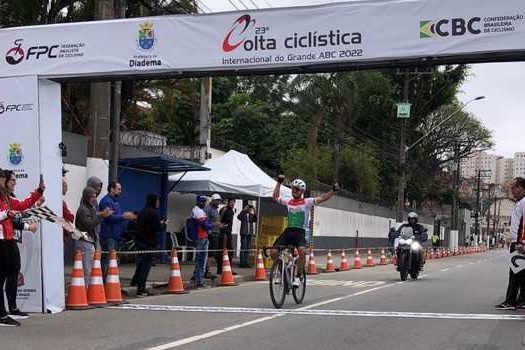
<point>159,277</point>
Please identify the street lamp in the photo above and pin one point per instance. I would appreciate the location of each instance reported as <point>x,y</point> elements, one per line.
<point>401,186</point>
<point>443,121</point>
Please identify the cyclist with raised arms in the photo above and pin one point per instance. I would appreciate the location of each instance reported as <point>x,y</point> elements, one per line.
<point>298,218</point>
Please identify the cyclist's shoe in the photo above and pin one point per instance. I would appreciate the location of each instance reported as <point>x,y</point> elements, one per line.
<point>296,282</point>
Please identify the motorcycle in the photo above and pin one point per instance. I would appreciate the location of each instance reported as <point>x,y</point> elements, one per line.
<point>409,254</point>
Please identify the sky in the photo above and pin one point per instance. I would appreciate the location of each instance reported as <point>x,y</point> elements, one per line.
<point>503,84</point>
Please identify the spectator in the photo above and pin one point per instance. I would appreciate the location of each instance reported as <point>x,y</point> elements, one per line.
<point>199,228</point>
<point>95,183</point>
<point>516,281</point>
<point>149,223</point>
<point>66,213</point>
<point>202,226</point>
<point>247,218</point>
<point>87,219</point>
<point>392,234</point>
<point>212,213</point>
<point>225,236</point>
<point>435,240</point>
<point>113,226</point>
<point>9,252</point>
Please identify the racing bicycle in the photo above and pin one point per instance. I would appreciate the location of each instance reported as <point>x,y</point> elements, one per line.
<point>282,273</point>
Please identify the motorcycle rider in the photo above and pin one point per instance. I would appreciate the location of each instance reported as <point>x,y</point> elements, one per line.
<point>420,232</point>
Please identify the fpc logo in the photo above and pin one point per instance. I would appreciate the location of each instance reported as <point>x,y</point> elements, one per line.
<point>146,36</point>
<point>15,153</point>
<point>238,33</point>
<point>449,27</point>
<point>16,54</point>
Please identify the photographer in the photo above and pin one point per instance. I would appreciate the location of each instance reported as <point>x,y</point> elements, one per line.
<point>247,217</point>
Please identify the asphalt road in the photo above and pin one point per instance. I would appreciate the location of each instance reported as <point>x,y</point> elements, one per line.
<point>450,307</point>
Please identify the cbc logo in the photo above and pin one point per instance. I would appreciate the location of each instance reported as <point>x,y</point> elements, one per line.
<point>449,27</point>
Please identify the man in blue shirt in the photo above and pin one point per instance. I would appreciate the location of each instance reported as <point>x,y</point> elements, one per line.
<point>113,226</point>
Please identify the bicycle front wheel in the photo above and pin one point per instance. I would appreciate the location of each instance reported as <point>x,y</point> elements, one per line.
<point>277,284</point>
<point>299,292</point>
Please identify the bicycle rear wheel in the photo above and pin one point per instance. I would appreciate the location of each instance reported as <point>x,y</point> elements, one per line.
<point>299,292</point>
<point>277,284</point>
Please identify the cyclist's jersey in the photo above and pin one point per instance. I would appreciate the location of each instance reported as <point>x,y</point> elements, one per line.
<point>298,211</point>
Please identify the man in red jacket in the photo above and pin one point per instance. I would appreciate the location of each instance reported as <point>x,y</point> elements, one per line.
<point>9,252</point>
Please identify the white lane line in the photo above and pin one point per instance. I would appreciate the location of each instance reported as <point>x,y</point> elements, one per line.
<point>308,311</point>
<point>212,334</point>
<point>425,275</point>
<point>460,266</point>
<point>279,313</point>
<point>444,270</point>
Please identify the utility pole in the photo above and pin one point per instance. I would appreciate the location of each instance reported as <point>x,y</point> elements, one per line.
<point>100,98</point>
<point>455,199</point>
<point>205,119</point>
<point>478,204</point>
<point>488,210</point>
<point>476,213</point>
<point>120,12</point>
<point>495,217</point>
<point>401,181</point>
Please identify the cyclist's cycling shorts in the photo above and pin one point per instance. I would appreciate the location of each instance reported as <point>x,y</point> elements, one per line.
<point>292,236</point>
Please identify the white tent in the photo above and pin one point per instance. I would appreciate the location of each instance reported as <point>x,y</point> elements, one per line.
<point>231,173</point>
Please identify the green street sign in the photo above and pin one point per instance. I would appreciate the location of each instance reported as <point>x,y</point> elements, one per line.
<point>403,110</point>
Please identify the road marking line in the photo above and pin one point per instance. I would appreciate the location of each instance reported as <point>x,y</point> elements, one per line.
<point>460,266</point>
<point>444,270</point>
<point>278,313</point>
<point>212,333</point>
<point>344,283</point>
<point>308,311</point>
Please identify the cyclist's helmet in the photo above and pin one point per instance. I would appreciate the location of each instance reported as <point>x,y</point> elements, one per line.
<point>300,184</point>
<point>412,215</point>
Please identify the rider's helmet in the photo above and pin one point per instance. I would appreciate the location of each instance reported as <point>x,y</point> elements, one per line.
<point>300,184</point>
<point>412,218</point>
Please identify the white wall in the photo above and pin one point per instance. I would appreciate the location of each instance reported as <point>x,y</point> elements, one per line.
<point>77,178</point>
<point>330,222</point>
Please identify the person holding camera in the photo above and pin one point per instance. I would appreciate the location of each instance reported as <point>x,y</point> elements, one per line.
<point>248,218</point>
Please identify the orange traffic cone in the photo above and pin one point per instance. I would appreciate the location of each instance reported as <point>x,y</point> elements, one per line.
<point>344,261</point>
<point>175,285</point>
<point>227,275</point>
<point>96,294</point>
<point>260,272</point>
<point>357,260</point>
<point>76,293</point>
<point>329,262</point>
<point>312,268</point>
<point>369,259</point>
<point>113,292</point>
<point>394,258</point>
<point>382,260</point>
<point>431,254</point>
